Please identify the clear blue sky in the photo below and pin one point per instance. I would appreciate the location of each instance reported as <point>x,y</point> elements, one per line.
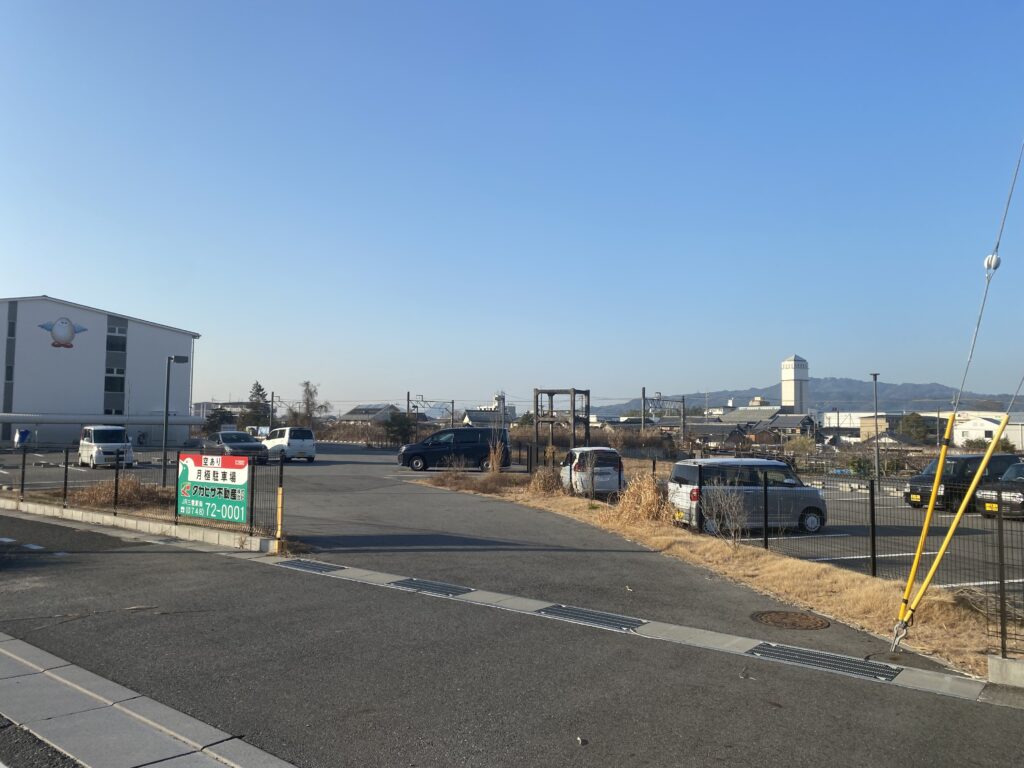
<point>458,197</point>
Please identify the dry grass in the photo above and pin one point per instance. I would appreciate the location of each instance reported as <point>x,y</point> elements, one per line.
<point>494,483</point>
<point>948,626</point>
<point>642,500</point>
<point>131,494</point>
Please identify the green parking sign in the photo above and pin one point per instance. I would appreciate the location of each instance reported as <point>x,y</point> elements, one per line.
<point>213,487</point>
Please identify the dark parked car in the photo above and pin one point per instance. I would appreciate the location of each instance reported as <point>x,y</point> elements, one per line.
<point>1011,485</point>
<point>235,444</point>
<point>465,446</point>
<point>956,478</point>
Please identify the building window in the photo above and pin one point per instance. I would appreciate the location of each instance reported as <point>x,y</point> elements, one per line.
<point>9,374</point>
<point>117,330</point>
<point>11,326</point>
<point>988,434</point>
<point>117,344</point>
<point>112,412</point>
<point>115,371</point>
<point>113,384</point>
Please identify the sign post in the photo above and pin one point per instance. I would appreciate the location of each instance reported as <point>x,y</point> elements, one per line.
<point>213,487</point>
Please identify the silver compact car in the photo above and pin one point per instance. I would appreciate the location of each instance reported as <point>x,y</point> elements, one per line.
<point>710,494</point>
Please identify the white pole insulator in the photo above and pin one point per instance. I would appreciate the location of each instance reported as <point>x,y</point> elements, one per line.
<point>992,262</point>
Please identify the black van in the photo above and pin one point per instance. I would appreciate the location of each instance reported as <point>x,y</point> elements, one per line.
<point>956,478</point>
<point>466,446</point>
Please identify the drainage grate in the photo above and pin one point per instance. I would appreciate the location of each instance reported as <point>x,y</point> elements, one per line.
<point>593,618</point>
<point>311,566</point>
<point>846,665</point>
<point>431,587</point>
<point>790,619</point>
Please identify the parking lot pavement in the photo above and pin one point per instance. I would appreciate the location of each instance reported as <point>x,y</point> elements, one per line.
<point>335,672</point>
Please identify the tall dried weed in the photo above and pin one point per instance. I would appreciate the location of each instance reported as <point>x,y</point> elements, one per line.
<point>643,499</point>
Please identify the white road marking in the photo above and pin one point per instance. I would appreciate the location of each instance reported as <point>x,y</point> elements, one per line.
<point>33,547</point>
<point>979,583</point>
<point>60,554</point>
<point>802,537</point>
<point>865,557</point>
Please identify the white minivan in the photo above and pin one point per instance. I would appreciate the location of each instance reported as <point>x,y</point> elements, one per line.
<point>292,443</point>
<point>99,444</point>
<point>592,471</point>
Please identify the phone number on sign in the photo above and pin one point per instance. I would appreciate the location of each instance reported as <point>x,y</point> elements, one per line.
<point>232,513</point>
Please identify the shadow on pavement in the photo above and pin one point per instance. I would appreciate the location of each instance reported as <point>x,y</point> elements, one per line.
<point>425,542</point>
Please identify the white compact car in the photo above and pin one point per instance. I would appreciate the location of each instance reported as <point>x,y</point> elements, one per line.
<point>292,443</point>
<point>99,444</point>
<point>593,470</point>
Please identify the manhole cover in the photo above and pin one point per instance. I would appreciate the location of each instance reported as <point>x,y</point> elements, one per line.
<point>790,619</point>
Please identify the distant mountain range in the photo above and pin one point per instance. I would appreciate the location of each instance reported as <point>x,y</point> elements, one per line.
<point>845,394</point>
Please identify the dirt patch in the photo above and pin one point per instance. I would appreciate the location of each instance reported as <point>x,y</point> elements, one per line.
<point>948,626</point>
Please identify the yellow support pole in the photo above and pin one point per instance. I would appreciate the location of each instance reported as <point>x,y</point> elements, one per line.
<point>280,510</point>
<point>956,520</point>
<point>927,518</point>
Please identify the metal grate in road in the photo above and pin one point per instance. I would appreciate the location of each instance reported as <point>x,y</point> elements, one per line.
<point>431,587</point>
<point>833,662</point>
<point>311,566</point>
<point>601,619</point>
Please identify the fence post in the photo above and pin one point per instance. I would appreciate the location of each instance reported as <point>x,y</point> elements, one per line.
<point>251,502</point>
<point>117,477</point>
<point>1002,577</point>
<point>764,505</point>
<point>24,458</point>
<point>177,469</point>
<point>64,497</point>
<point>873,529</point>
<point>698,513</point>
<point>654,465</point>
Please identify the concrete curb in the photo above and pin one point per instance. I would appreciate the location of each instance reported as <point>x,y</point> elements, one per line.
<point>181,531</point>
<point>102,724</point>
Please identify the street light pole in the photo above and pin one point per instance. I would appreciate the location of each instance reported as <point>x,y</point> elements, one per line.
<point>874,381</point>
<point>167,408</point>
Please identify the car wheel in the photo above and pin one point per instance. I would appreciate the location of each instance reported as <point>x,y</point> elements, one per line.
<point>417,464</point>
<point>485,464</point>
<point>708,526</point>
<point>811,520</point>
<point>129,465</point>
<point>310,458</point>
<point>915,505</point>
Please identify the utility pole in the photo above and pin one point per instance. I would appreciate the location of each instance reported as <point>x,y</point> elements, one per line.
<point>682,421</point>
<point>453,414</point>
<point>270,426</point>
<point>408,405</point>
<point>643,407</point>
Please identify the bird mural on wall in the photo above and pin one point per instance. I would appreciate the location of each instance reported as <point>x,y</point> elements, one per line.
<point>63,331</point>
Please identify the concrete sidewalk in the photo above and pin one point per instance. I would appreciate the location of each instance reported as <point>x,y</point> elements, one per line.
<point>105,725</point>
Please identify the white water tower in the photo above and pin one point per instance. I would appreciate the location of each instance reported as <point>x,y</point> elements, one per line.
<point>794,384</point>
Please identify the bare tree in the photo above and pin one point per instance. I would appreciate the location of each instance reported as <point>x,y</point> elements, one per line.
<point>312,408</point>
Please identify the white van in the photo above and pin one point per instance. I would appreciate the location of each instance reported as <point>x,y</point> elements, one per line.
<point>292,443</point>
<point>99,444</point>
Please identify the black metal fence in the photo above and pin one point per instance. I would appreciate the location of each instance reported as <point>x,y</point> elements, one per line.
<point>874,528</point>
<point>146,487</point>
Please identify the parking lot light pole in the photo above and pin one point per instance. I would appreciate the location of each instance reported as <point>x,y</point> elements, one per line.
<point>167,408</point>
<point>874,382</point>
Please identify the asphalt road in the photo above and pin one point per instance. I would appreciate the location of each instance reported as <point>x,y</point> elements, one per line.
<point>845,542</point>
<point>326,672</point>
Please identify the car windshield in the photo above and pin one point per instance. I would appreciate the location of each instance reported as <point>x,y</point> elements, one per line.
<point>934,463</point>
<point>1015,472</point>
<point>109,436</point>
<point>237,437</point>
